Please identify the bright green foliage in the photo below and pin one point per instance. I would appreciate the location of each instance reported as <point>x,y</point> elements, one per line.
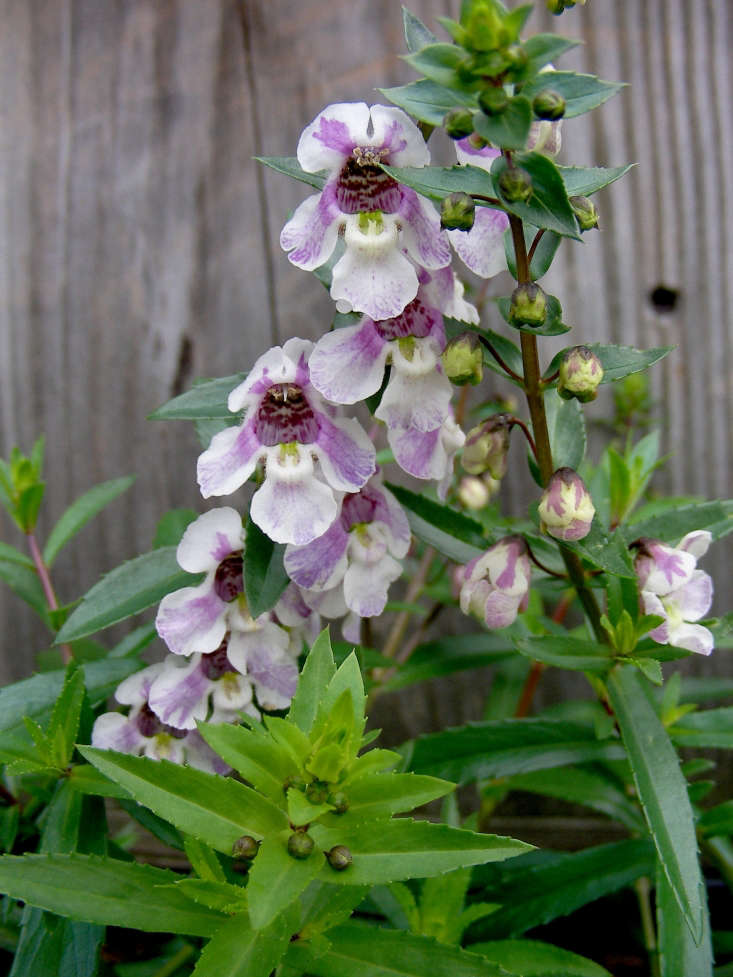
<point>22,485</point>
<point>534,959</point>
<point>582,93</point>
<point>80,512</point>
<point>548,207</point>
<point>264,575</point>
<point>679,954</point>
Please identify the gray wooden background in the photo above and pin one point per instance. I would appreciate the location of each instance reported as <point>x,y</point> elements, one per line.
<point>138,239</point>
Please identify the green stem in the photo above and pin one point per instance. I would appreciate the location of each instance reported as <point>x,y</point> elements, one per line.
<point>176,961</point>
<point>643,894</point>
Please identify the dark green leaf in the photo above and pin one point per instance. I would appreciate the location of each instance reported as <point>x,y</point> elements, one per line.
<point>318,670</point>
<point>717,820</point>
<point>439,62</point>
<point>427,101</point>
<point>9,554</point>
<point>542,257</point>
<point>620,361</point>
<point>509,746</point>
<point>566,427</point>
<point>509,129</point>
<point>276,879</point>
<point>581,92</point>
<point>66,716</point>
<point>126,591</point>
<point>265,578</point>
<point>548,207</point>
<point>583,181</point>
<point>448,655</point>
<point>290,166</point>
<point>679,955</point>
<point>172,526</point>
<point>80,512</point>
<point>672,526</point>
<point>206,399</point>
<point>417,35</point>
<point>711,728</point>
<point>23,581</point>
<point>452,533</point>
<point>564,652</point>
<point>662,791</point>
<point>437,182</point>
<point>534,959</point>
<point>204,860</point>
<point>214,809</point>
<point>608,552</point>
<point>543,48</point>
<point>236,950</point>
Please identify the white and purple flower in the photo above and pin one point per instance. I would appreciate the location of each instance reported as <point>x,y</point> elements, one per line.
<point>495,585</point>
<point>672,587</point>
<point>195,619</point>
<point>379,218</point>
<point>361,550</point>
<point>566,507</point>
<point>289,426</point>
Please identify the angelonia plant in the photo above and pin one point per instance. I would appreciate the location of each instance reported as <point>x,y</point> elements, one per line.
<point>372,464</point>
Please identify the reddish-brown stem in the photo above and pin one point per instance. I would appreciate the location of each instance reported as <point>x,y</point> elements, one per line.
<point>494,201</point>
<point>528,435</point>
<point>49,593</point>
<point>533,248</point>
<point>530,686</point>
<point>538,563</point>
<point>502,363</point>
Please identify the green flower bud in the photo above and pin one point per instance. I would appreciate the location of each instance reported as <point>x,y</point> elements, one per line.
<point>339,857</point>
<point>294,781</point>
<point>317,792</point>
<point>517,60</point>
<point>493,101</point>
<point>528,306</point>
<point>457,212</point>
<point>515,184</point>
<point>339,801</point>
<point>484,27</point>
<point>580,374</point>
<point>585,213</point>
<point>558,6</point>
<point>463,360</point>
<point>245,847</point>
<point>549,104</point>
<point>458,123</point>
<point>300,844</point>
<point>487,446</point>
<point>473,492</point>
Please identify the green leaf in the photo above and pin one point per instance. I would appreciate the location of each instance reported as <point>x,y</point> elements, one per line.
<point>584,181</point>
<point>207,399</point>
<point>265,578</point>
<point>577,654</point>
<point>437,182</point>
<point>236,950</point>
<point>427,101</point>
<point>417,35</point>
<point>65,717</point>
<point>620,361</point>
<point>455,535</point>
<point>542,257</point>
<point>80,512</point>
<point>439,62</point>
<point>318,670</point>
<point>548,207</point>
<point>534,959</point>
<point>662,791</point>
<point>214,809</point>
<point>509,129</point>
<point>378,795</point>
<point>712,728</point>
<point>358,950</point>
<point>679,955</point>
<point>256,758</point>
<point>672,526</point>
<point>545,885</point>
<point>290,166</point>
<point>582,93</point>
<point>172,526</point>
<point>566,427</point>
<point>104,890</point>
<point>125,591</point>
<point>389,851</point>
<point>9,554</point>
<point>500,748</point>
<point>23,581</point>
<point>543,48</point>
<point>448,655</point>
<point>650,668</point>
<point>276,879</point>
<point>215,894</point>
<point>609,552</point>
<point>203,860</point>
<point>88,780</point>
<point>717,820</point>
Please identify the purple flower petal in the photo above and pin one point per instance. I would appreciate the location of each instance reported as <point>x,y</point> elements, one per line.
<point>311,233</point>
<point>229,460</point>
<point>347,365</point>
<point>321,564</point>
<point>192,619</point>
<point>113,731</point>
<point>693,637</point>
<point>210,539</point>
<point>482,248</point>
<point>422,236</point>
<point>346,454</point>
<point>292,505</point>
<point>695,598</point>
<point>332,136</point>
<point>180,694</point>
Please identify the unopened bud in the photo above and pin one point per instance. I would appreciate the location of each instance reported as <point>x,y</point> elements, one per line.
<point>566,508</point>
<point>473,492</point>
<point>463,360</point>
<point>549,104</point>
<point>493,101</point>
<point>558,6</point>
<point>517,59</point>
<point>458,123</point>
<point>457,212</point>
<point>515,185</point>
<point>317,792</point>
<point>339,857</point>
<point>294,781</point>
<point>339,802</point>
<point>585,213</point>
<point>245,847</point>
<point>528,306</point>
<point>300,844</point>
<point>580,374</point>
<point>487,446</point>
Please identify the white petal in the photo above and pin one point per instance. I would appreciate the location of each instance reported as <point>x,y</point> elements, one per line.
<point>133,691</point>
<point>192,619</point>
<point>229,460</point>
<point>422,236</point>
<point>696,542</point>
<point>418,400</point>
<point>312,232</point>
<point>695,598</point>
<point>332,136</point>
<point>444,290</point>
<point>482,248</point>
<point>347,364</point>
<point>321,564</point>
<point>346,454</point>
<point>180,694</point>
<point>113,731</point>
<point>366,585</point>
<point>396,132</point>
<point>210,539</point>
<point>693,637</point>
<point>469,155</point>
<point>292,505</point>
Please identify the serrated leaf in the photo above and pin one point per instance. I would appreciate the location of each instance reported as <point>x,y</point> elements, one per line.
<point>265,578</point>
<point>215,894</point>
<point>390,851</point>
<point>427,101</point>
<point>662,791</point>
<point>347,678</point>
<point>509,129</point>
<point>679,955</point>
<point>566,428</point>
<point>439,62</point>
<point>356,951</point>
<point>455,535</point>
<point>276,879</point>
<point>256,758</point>
<point>206,399</point>
<point>65,717</point>
<point>23,581</point>
<point>104,890</point>
<point>290,166</point>
<point>672,526</point>
<point>379,795</point>
<point>548,207</point>
<point>584,181</point>
<point>607,552</point>
<point>437,182</point>
<point>500,748</point>
<point>236,950</point>
<point>80,512</point>
<point>125,591</point>
<point>577,654</point>
<point>582,93</point>
<point>448,655</point>
<point>534,959</point>
<point>712,728</point>
<point>417,35</point>
<point>203,860</point>
<point>214,809</point>
<point>317,672</point>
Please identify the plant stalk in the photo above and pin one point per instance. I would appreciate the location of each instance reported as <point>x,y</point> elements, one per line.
<point>49,592</point>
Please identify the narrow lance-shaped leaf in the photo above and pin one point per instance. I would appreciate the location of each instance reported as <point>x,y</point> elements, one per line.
<point>583,181</point>
<point>207,399</point>
<point>679,955</point>
<point>427,101</point>
<point>531,958</point>
<point>265,578</point>
<point>237,950</point>
<point>317,672</point>
<point>276,879</point>
<point>80,512</point>
<point>581,92</point>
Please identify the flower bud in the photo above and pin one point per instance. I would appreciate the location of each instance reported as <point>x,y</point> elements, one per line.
<point>493,101</point>
<point>339,857</point>
<point>566,508</point>
<point>487,447</point>
<point>295,781</point>
<point>245,847</point>
<point>517,59</point>
<point>473,492</point>
<point>495,586</point>
<point>300,844</point>
<point>317,792</point>
<point>558,6</point>
<point>580,374</point>
<point>528,306</point>
<point>515,184</point>
<point>585,213</point>
<point>458,123</point>
<point>549,104</point>
<point>463,360</point>
<point>457,212</point>
<point>339,801</point>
